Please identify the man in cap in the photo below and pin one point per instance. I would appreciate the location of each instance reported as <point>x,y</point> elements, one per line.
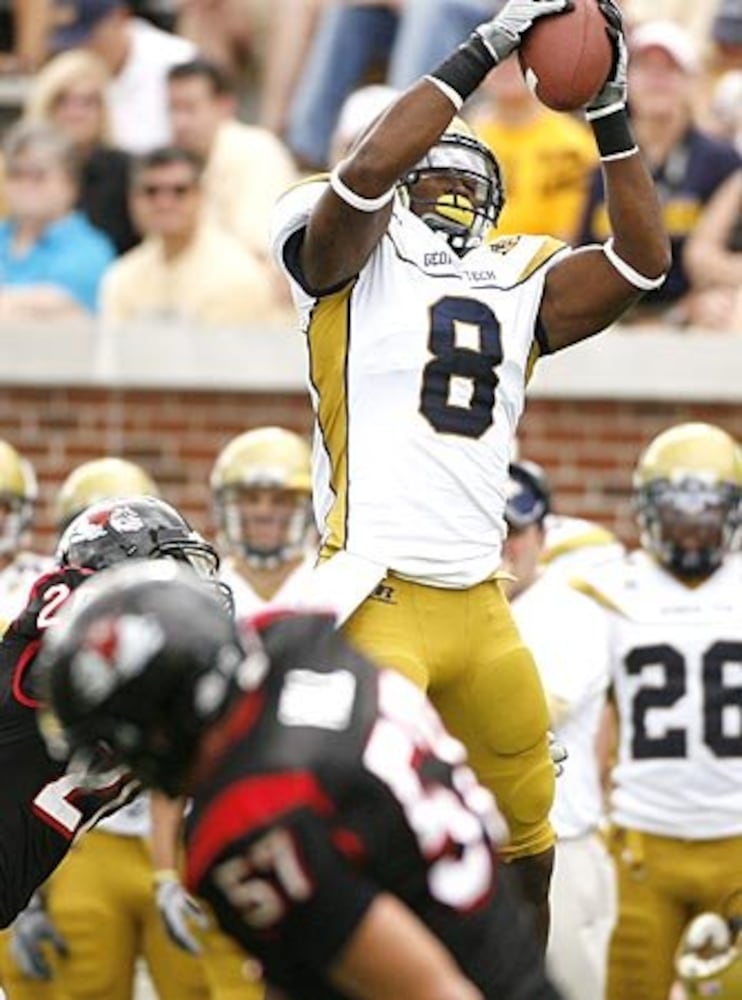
<point>687,164</point>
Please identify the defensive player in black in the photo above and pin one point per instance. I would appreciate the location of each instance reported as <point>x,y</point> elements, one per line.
<point>46,802</point>
<point>336,830</point>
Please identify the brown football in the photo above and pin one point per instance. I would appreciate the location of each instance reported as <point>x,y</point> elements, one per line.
<point>566,58</point>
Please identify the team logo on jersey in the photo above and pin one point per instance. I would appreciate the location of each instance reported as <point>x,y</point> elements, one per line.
<point>504,244</point>
<point>114,650</point>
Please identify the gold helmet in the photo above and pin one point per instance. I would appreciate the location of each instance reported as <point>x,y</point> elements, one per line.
<point>277,462</point>
<point>18,492</point>
<point>708,961</point>
<point>465,213</point>
<point>688,495</point>
<point>100,479</point>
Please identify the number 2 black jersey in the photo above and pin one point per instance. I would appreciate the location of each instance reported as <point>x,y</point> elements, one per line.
<point>333,782</point>
<point>42,803</point>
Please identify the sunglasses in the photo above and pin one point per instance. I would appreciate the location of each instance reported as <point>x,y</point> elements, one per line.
<point>174,190</point>
<point>35,174</point>
<point>71,99</point>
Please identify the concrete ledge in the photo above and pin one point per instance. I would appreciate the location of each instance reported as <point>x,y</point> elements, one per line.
<point>628,363</point>
<point>645,363</point>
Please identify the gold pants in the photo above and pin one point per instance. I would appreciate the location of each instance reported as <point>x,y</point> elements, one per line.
<point>463,648</point>
<point>662,884</point>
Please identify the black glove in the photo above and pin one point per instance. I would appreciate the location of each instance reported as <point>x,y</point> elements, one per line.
<point>30,932</point>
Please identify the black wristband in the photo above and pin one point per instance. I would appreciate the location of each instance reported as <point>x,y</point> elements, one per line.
<point>613,135</point>
<point>466,67</point>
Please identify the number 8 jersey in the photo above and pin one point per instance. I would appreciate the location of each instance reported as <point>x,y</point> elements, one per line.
<point>676,654</point>
<point>417,372</point>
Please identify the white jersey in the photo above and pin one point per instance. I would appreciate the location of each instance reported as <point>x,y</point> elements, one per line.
<point>573,544</point>
<point>16,581</point>
<point>289,595</point>
<point>676,657</point>
<point>132,820</point>
<point>417,373</point>
<point>567,635</point>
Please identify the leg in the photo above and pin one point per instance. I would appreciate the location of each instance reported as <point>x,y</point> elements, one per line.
<point>583,912</point>
<point>533,874</point>
<point>230,973</point>
<point>653,909</point>
<point>428,31</point>
<point>175,974</point>
<point>347,41</point>
<point>490,696</point>
<point>89,899</point>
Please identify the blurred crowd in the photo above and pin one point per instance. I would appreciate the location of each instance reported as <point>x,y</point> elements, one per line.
<point>139,174</point>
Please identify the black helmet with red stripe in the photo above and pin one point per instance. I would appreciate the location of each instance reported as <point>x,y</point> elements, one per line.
<point>144,661</point>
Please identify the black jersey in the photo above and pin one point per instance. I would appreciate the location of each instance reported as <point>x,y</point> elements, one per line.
<point>43,802</point>
<point>331,783</point>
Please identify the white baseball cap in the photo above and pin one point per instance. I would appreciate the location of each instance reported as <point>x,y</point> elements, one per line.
<point>671,38</point>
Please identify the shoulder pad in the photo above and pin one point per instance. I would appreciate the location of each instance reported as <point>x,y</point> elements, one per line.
<point>517,258</point>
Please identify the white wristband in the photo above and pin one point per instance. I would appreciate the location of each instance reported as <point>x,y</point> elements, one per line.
<point>357,201</point>
<point>455,98</point>
<point>627,271</point>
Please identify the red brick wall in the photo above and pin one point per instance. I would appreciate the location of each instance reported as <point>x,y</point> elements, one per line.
<point>588,447</point>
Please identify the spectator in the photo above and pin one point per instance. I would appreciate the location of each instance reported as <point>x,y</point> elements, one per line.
<point>51,258</point>
<point>687,164</point>
<point>411,36</point>
<point>228,32</point>
<point>24,28</point>
<point>428,30</point>
<point>349,39</point>
<point>186,270</point>
<point>290,34</point>
<point>247,167</point>
<point>546,158</point>
<point>69,92</point>
<point>726,34</point>
<point>359,110</point>
<point>726,108</point>
<point>138,56</point>
<point>713,260</point>
<point>695,17</point>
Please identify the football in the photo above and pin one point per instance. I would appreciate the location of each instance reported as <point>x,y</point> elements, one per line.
<point>566,58</point>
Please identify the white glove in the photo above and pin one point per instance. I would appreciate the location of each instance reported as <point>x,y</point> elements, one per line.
<point>504,33</point>
<point>31,930</point>
<point>178,910</point>
<point>558,753</point>
<point>612,97</point>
